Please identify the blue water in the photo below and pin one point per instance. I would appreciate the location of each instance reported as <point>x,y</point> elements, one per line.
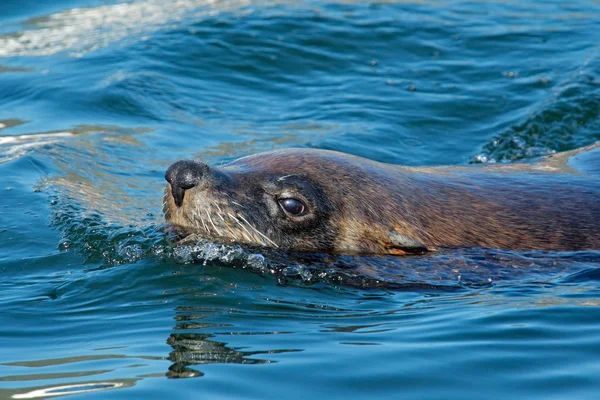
<point>97,98</point>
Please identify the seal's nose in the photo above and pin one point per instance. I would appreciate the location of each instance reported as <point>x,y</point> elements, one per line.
<point>184,175</point>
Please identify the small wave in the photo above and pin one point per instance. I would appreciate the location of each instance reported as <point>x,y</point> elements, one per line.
<point>570,119</point>
<point>591,274</point>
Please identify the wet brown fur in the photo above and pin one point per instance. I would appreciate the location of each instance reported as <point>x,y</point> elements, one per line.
<point>551,205</point>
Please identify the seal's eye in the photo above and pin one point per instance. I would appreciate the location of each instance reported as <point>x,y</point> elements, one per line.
<point>294,207</point>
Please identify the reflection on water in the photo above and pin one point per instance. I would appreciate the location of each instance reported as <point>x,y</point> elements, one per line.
<point>81,30</point>
<point>69,389</point>
<point>9,123</point>
<point>62,390</point>
<point>23,144</point>
<point>193,349</point>
<point>5,69</point>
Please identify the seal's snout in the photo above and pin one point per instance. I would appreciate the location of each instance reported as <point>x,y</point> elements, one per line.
<point>184,175</point>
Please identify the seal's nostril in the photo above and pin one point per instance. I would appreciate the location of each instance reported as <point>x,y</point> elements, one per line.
<point>184,175</point>
<point>178,194</point>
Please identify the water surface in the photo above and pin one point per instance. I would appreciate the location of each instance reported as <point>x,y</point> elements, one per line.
<point>99,97</point>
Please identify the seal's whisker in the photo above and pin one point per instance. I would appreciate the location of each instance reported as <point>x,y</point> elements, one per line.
<point>233,217</point>
<point>237,204</point>
<point>204,224</point>
<point>220,212</point>
<point>256,239</point>
<point>196,224</point>
<point>231,232</point>
<point>249,237</point>
<point>257,231</point>
<point>212,223</point>
<point>233,202</point>
<point>235,233</point>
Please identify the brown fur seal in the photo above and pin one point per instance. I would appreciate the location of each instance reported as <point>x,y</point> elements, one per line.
<point>317,200</point>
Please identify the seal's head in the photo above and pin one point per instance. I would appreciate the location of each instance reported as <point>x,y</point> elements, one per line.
<point>305,200</point>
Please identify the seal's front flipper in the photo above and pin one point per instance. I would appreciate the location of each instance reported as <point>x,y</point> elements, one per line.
<point>399,244</point>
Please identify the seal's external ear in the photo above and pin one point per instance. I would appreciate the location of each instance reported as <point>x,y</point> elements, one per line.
<point>400,244</point>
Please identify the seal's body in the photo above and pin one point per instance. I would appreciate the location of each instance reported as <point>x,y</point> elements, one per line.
<point>317,200</point>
